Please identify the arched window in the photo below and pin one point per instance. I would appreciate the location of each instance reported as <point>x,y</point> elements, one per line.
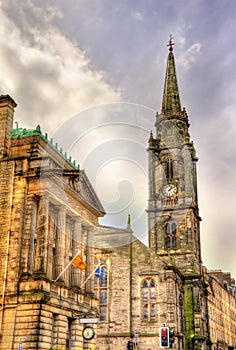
<point>148,300</point>
<point>170,235</point>
<point>145,291</point>
<point>101,290</point>
<point>169,129</point>
<point>169,168</point>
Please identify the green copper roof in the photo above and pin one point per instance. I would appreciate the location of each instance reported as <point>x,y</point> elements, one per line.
<point>171,100</point>
<point>22,132</point>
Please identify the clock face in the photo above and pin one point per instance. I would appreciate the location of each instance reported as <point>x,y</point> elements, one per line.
<point>169,190</point>
<point>88,333</point>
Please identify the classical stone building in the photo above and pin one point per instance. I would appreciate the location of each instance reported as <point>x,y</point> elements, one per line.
<point>49,213</point>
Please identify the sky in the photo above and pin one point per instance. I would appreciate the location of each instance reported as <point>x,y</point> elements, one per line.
<point>91,73</point>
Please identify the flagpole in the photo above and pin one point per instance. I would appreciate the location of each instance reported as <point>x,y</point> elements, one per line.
<point>89,276</point>
<point>69,263</point>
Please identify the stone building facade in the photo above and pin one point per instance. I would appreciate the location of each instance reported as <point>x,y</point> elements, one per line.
<point>166,283</point>
<point>221,309</point>
<point>49,213</point>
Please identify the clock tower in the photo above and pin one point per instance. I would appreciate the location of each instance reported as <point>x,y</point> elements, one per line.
<point>173,215</point>
<point>173,205</point>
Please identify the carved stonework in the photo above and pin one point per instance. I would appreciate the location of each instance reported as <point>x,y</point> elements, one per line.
<point>75,183</point>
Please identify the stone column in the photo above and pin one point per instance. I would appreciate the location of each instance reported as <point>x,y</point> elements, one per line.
<point>60,243</point>
<point>33,224</point>
<point>89,258</point>
<point>77,248</point>
<point>42,236</point>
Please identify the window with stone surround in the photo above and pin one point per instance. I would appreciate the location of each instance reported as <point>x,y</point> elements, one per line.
<point>148,299</point>
<point>101,290</point>
<point>170,235</point>
<point>169,168</point>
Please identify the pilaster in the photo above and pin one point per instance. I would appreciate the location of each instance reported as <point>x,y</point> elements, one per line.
<point>60,242</point>
<point>42,237</point>
<point>77,248</point>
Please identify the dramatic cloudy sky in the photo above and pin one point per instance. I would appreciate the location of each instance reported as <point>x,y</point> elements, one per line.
<point>91,74</point>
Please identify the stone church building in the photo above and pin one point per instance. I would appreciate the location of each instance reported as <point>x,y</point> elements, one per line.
<point>49,214</point>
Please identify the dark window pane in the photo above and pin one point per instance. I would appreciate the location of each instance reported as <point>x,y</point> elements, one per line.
<point>174,245</point>
<point>167,229</point>
<point>103,313</point>
<point>167,242</point>
<point>145,284</point>
<point>103,280</point>
<point>173,228</point>
<point>152,283</point>
<point>103,296</point>
<point>169,169</point>
<point>152,312</point>
<point>145,313</point>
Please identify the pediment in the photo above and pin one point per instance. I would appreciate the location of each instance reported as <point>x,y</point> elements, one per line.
<point>78,181</point>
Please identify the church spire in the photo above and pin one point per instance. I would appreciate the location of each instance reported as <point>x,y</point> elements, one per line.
<point>171,100</point>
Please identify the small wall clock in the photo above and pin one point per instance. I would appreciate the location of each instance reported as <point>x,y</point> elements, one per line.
<point>88,333</point>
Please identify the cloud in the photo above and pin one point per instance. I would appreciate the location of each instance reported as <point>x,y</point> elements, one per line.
<point>190,56</point>
<point>137,16</point>
<point>47,74</point>
<point>56,61</point>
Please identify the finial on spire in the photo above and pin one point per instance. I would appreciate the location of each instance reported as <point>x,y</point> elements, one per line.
<point>129,222</point>
<point>170,43</point>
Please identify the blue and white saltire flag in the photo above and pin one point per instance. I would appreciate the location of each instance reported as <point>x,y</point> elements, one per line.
<point>99,272</point>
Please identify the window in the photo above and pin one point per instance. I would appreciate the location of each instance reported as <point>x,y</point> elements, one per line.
<point>168,129</point>
<point>145,312</point>
<point>148,299</point>
<point>169,168</point>
<point>170,235</point>
<point>101,290</point>
<point>68,334</point>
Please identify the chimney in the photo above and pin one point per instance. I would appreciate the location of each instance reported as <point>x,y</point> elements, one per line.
<point>7,105</point>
